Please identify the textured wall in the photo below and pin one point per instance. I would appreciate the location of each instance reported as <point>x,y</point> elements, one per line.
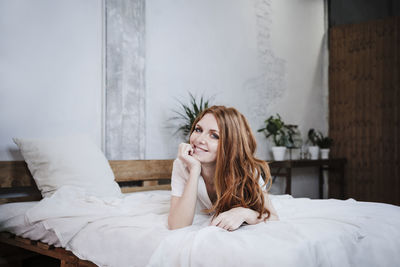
<point>269,85</point>
<point>125,83</point>
<point>261,56</point>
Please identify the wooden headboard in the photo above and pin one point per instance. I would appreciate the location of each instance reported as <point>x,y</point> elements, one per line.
<point>17,184</point>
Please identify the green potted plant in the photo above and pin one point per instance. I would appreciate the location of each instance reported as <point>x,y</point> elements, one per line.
<point>283,135</point>
<point>313,137</point>
<point>320,143</point>
<point>294,140</point>
<point>188,113</point>
<point>325,143</point>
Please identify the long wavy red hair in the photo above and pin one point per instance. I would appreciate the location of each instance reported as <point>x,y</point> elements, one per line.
<point>237,169</point>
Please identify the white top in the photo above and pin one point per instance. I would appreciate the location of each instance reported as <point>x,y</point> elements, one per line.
<point>179,177</point>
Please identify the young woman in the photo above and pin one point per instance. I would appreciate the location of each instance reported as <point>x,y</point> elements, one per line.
<point>218,173</point>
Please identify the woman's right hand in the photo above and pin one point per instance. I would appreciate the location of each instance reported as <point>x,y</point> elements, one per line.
<point>185,154</point>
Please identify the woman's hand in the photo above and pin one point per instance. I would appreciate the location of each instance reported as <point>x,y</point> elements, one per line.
<point>181,212</point>
<point>232,219</point>
<point>185,154</point>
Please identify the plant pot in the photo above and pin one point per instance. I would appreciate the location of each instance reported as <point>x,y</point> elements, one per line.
<point>314,151</point>
<point>279,152</point>
<point>325,153</point>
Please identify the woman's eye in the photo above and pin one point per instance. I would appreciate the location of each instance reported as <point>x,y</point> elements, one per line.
<point>197,129</point>
<point>215,136</point>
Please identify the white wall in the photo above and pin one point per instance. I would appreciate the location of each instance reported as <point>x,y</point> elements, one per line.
<point>50,70</point>
<point>261,56</point>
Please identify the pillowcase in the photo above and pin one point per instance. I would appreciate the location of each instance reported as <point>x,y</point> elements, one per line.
<point>72,160</point>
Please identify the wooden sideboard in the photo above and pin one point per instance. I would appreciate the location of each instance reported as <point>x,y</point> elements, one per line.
<point>334,166</point>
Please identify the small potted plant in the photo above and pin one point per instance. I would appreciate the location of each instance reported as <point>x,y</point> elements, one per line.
<point>314,137</point>
<point>283,136</point>
<point>325,143</point>
<point>294,141</point>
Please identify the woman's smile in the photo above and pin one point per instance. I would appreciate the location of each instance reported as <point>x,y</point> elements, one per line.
<point>199,149</point>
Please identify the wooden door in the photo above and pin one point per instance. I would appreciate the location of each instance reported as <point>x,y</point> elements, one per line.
<point>364,108</point>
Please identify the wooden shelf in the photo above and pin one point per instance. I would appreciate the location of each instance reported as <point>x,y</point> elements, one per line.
<point>284,168</point>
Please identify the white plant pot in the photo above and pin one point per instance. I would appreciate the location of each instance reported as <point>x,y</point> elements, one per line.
<point>325,153</point>
<point>314,151</point>
<point>279,152</point>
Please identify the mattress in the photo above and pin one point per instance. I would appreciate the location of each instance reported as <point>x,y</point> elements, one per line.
<point>13,220</point>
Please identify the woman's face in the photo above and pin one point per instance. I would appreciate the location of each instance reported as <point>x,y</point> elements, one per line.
<point>205,138</point>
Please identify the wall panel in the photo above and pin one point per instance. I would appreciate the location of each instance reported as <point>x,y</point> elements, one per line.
<point>364,107</point>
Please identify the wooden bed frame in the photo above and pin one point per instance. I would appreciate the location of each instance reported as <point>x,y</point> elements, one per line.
<point>17,184</point>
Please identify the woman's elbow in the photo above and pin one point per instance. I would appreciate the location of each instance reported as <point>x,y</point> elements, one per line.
<point>174,224</point>
<point>171,225</point>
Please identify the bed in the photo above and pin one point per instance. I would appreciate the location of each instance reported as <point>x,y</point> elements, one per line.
<point>18,186</point>
<point>131,230</point>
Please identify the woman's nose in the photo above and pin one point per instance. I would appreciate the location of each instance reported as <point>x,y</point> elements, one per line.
<point>202,138</point>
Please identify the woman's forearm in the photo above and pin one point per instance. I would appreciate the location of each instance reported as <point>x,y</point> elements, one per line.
<point>251,216</point>
<point>182,209</point>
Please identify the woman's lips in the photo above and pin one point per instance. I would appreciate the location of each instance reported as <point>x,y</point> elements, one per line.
<point>196,148</point>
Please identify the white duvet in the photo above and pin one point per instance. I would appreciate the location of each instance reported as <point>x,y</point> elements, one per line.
<point>132,231</point>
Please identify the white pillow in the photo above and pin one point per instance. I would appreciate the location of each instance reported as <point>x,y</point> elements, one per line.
<point>72,160</point>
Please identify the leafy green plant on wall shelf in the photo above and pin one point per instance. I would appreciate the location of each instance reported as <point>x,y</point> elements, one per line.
<point>287,135</point>
<point>318,139</point>
<point>283,135</point>
<point>325,142</point>
<point>319,142</point>
<point>314,136</point>
<point>275,128</point>
<point>294,137</point>
<point>188,113</point>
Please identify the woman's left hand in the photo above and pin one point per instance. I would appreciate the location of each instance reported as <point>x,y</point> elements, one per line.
<point>230,220</point>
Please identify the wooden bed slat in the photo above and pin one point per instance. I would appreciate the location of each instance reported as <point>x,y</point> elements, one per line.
<point>141,170</point>
<point>15,174</point>
<point>67,258</point>
<point>140,188</point>
<point>58,253</point>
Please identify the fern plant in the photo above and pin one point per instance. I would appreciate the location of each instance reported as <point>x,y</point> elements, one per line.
<point>188,113</point>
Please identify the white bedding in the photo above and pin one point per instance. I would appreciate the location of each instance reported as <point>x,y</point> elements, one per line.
<point>132,231</point>
<point>13,220</point>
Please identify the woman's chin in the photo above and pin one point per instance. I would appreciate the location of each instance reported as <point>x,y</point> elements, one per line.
<point>199,158</point>
<point>203,160</point>
<point>196,156</point>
